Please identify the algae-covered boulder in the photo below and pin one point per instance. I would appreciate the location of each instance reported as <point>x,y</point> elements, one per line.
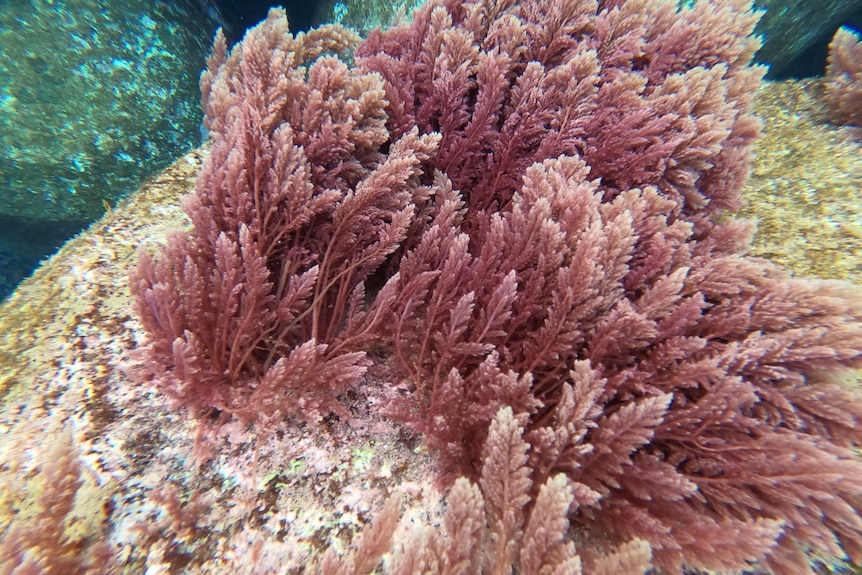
<point>804,189</point>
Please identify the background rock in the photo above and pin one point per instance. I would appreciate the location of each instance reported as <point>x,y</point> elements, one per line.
<point>94,98</point>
